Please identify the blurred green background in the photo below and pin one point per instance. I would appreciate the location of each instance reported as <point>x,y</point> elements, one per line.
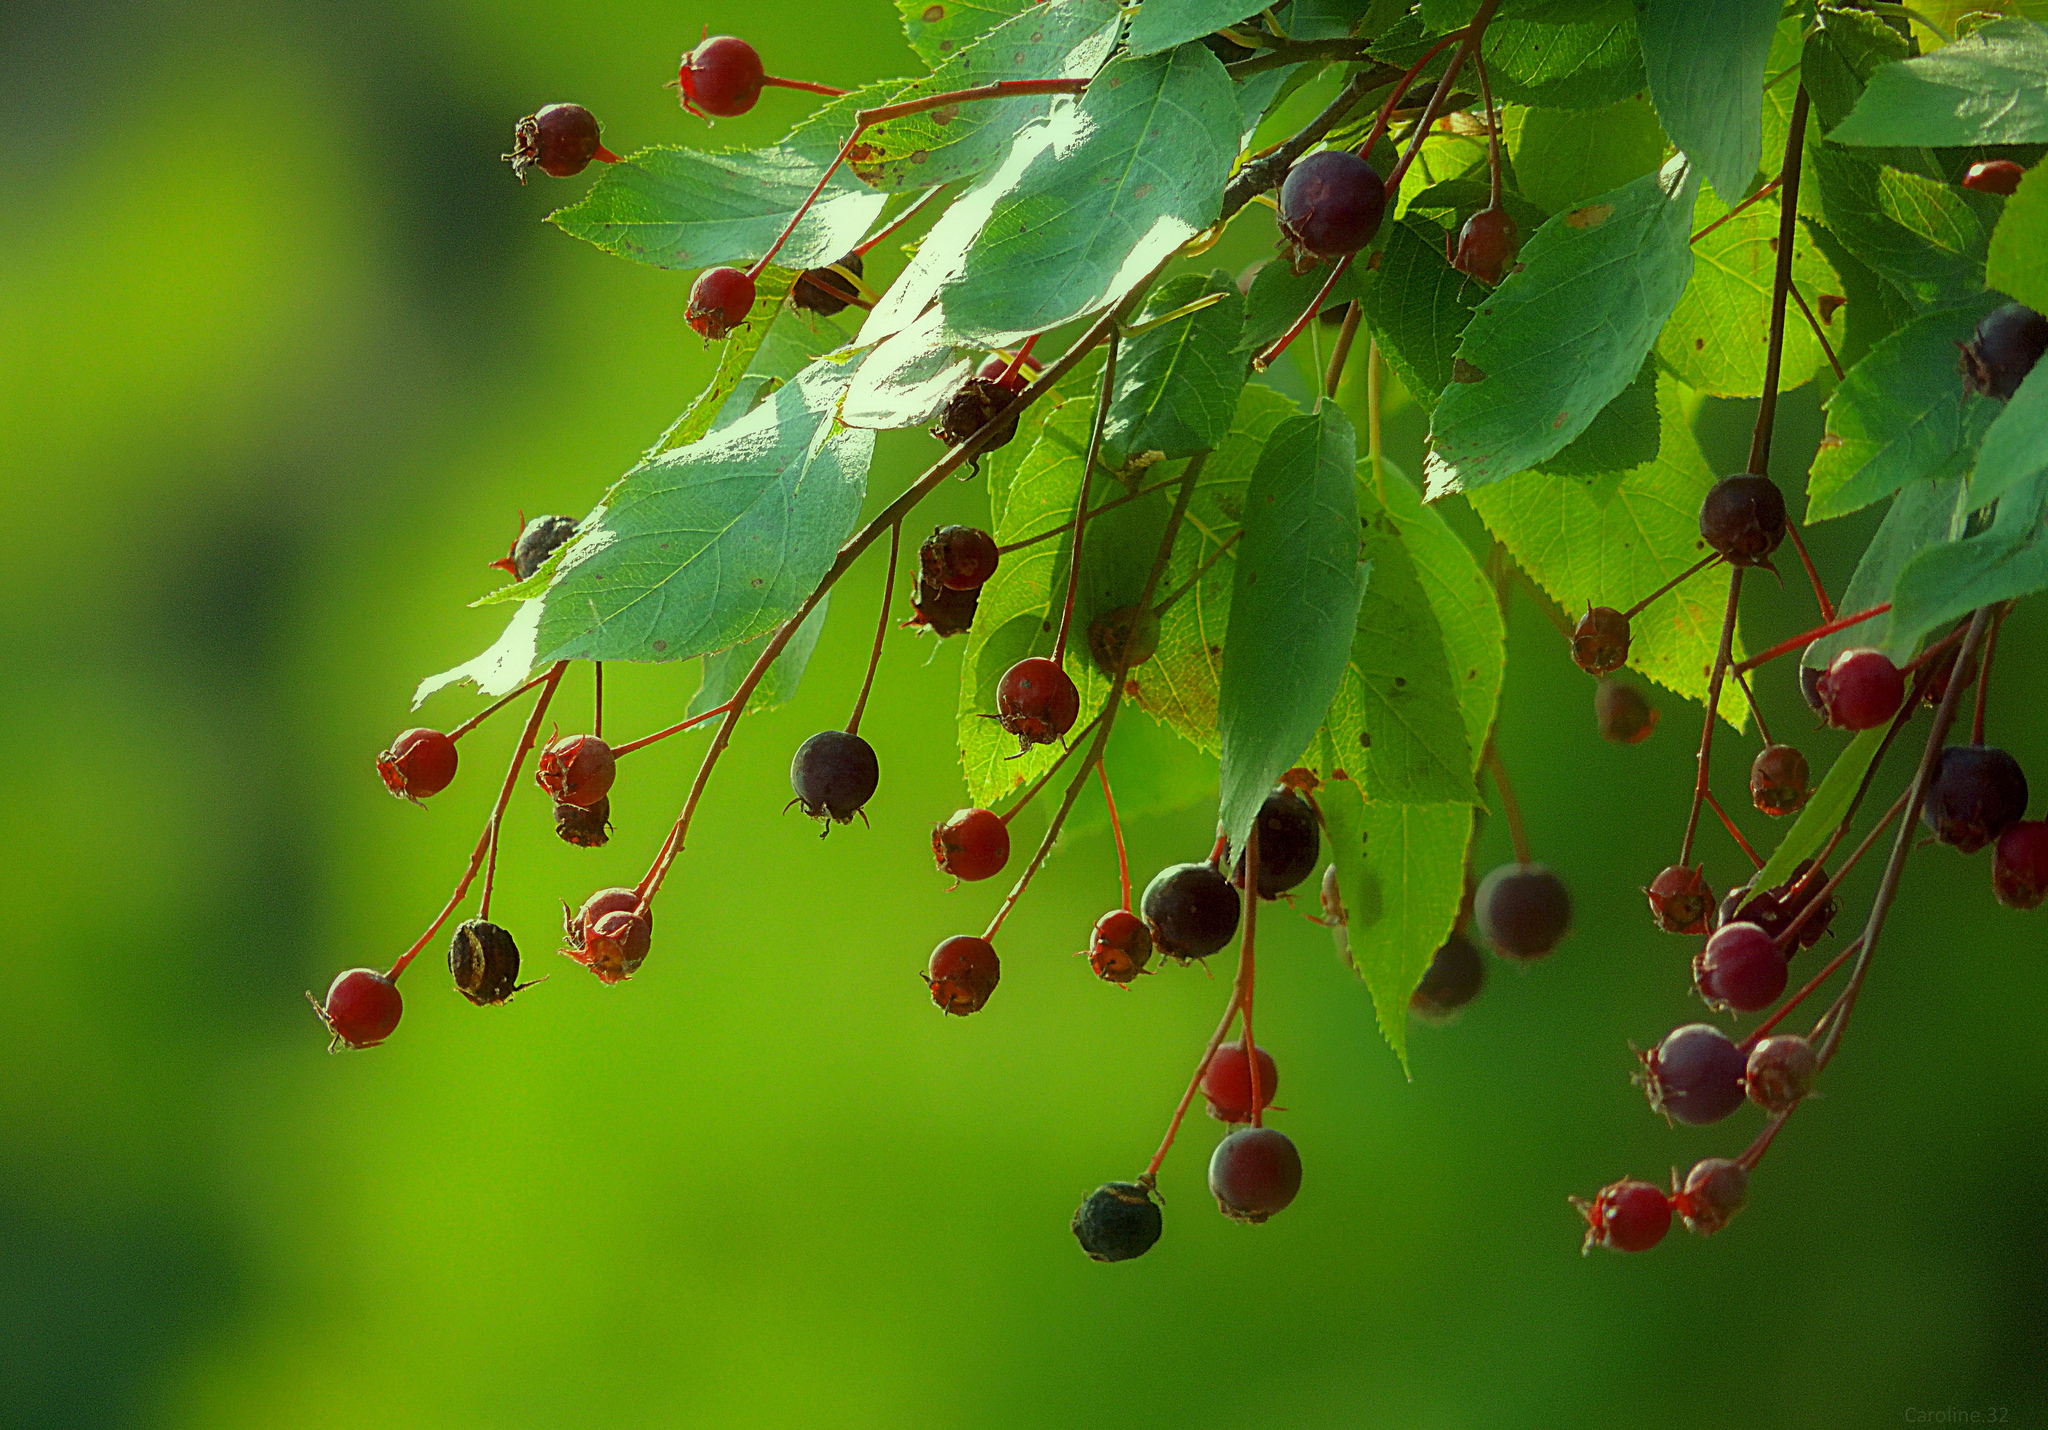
<point>287,353</point>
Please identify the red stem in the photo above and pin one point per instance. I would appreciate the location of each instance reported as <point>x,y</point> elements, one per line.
<point>1800,642</point>
<point>676,729</point>
<point>1763,1029</point>
<point>1246,972</point>
<point>597,698</point>
<point>1733,832</point>
<point>1272,354</point>
<point>1819,336</point>
<point>1820,592</point>
<point>1400,91</point>
<point>1018,361</point>
<point>1762,193</point>
<point>1699,788</point>
<point>1508,806</point>
<point>1116,829</point>
<point>493,708</point>
<point>901,219</point>
<point>881,631</point>
<point>1818,901</point>
<point>1673,584</point>
<point>803,84</point>
<point>1474,33</point>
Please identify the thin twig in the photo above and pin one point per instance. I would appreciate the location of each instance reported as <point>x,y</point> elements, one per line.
<point>1059,644</point>
<point>881,630</point>
<point>1699,789</point>
<point>1509,807</point>
<point>1788,232</point>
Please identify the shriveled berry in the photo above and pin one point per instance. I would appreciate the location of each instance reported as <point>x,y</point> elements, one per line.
<point>2004,349</point>
<point>824,291</point>
<point>1128,631</point>
<point>577,769</point>
<point>1778,779</point>
<point>1191,910</point>
<point>418,764</point>
<point>1455,976</point>
<point>559,140</point>
<point>1600,640</point>
<point>960,558</point>
<point>1739,969</point>
<point>720,300</point>
<point>536,542</point>
<point>589,828</point>
<point>833,774</point>
<point>1253,1173</point>
<point>722,76</point>
<point>1714,1191</point>
<point>963,972</point>
<point>1290,845</point>
<point>1036,701</point>
<point>1680,899</point>
<point>1781,1071</point>
<point>1484,246</point>
<point>1861,689</point>
<point>1119,947</point>
<point>1976,792</point>
<point>973,844</point>
<point>1994,176</point>
<point>1523,910</point>
<point>361,1008</point>
<point>2019,868</point>
<point>610,935</point>
<point>1694,1076</point>
<point>484,962</point>
<point>941,611</point>
<point>1625,717</point>
<point>972,408</point>
<point>1625,1216</point>
<point>1331,203</point>
<point>1117,1221</point>
<point>1743,518</point>
<point>1228,1083</point>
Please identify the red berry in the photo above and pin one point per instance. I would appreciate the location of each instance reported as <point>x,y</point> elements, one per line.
<point>1781,1071</point>
<point>722,76</point>
<point>1228,1083</point>
<point>1036,701</point>
<point>1994,176</point>
<point>1484,246</point>
<point>1600,640</point>
<point>2004,349</point>
<point>1623,715</point>
<point>1523,909</point>
<point>963,972</point>
<point>1331,203</point>
<point>1253,1173</point>
<point>559,140</point>
<point>997,370</point>
<point>1976,791</point>
<point>361,1009</point>
<point>1191,910</point>
<point>973,844</point>
<point>2019,869</point>
<point>1861,689</point>
<point>1680,899</point>
<point>960,558</point>
<point>1694,1076</point>
<point>1120,947</point>
<point>610,935</point>
<point>1778,780</point>
<point>720,300</point>
<point>1739,969</point>
<point>1715,1190</point>
<point>1626,1216</point>
<point>577,770</point>
<point>824,292</point>
<point>1743,518</point>
<point>419,763</point>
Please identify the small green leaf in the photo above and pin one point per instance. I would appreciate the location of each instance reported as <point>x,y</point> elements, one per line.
<point>1842,52</point>
<point>1989,87</point>
<point>1177,384</point>
<point>2016,443</point>
<point>1705,61</point>
<point>1417,307</point>
<point>1564,158</point>
<point>1923,514</point>
<point>1927,237</point>
<point>2017,260</point>
<point>938,28</point>
<point>1294,605</point>
<point>1824,810</point>
<point>1720,333</point>
<point>1588,62</point>
<point>725,669</point>
<point>2008,559</point>
<point>1162,24</point>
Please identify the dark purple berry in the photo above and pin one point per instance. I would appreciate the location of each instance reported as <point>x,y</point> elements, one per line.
<point>2019,869</point>
<point>484,961</point>
<point>824,291</point>
<point>1715,1190</point>
<point>1455,976</point>
<point>834,773</point>
<point>1780,1072</point>
<point>586,828</point>
<point>1600,640</point>
<point>2004,349</point>
<point>1119,1220</point>
<point>1253,1173</point>
<point>1289,844</point>
<point>1623,715</point>
<point>1743,518</point>
<point>1739,969</point>
<point>1976,792</point>
<point>1191,909</point>
<point>969,410</point>
<point>941,611</point>
<point>559,140</point>
<point>1523,910</point>
<point>1331,203</point>
<point>1694,1076</point>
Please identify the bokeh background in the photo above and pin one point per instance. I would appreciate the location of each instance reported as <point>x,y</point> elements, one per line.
<point>287,352</point>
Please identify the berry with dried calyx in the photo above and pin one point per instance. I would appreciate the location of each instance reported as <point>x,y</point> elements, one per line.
<point>973,844</point>
<point>969,410</point>
<point>960,558</point>
<point>1861,689</point>
<point>1119,947</point>
<point>1253,1173</point>
<point>589,828</point>
<point>536,542</point>
<point>1523,910</point>
<point>722,76</point>
<point>1781,1071</point>
<point>1975,793</point>
<point>1191,910</point>
<point>610,935</point>
<point>1625,1216</point>
<point>1624,716</point>
<point>576,770</point>
<point>825,291</point>
<point>1117,1221</point>
<point>1227,1083</point>
<point>1600,640</point>
<point>559,140</point>
<point>1743,518</point>
<point>2003,350</point>
<point>484,962</point>
<point>1994,176</point>
<point>1740,969</point>
<point>1036,701</point>
<point>1694,1076</point>
<point>361,1008</point>
<point>720,300</point>
<point>1714,1191</point>
<point>418,764</point>
<point>2019,867</point>
<point>1331,203</point>
<point>941,611</point>
<point>1456,974</point>
<point>1485,246</point>
<point>1680,899</point>
<point>834,774</point>
<point>963,972</point>
<point>1778,780</point>
<point>1127,631</point>
<point>1290,845</point>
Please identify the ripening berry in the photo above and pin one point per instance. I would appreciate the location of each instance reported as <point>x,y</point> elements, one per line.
<point>610,935</point>
<point>1128,632</point>
<point>1714,1191</point>
<point>1117,1221</point>
<point>536,542</point>
<point>960,558</point>
<point>1290,845</point>
<point>1740,969</point>
<point>1780,1072</point>
<point>1778,780</point>
<point>1600,640</point>
<point>418,764</point>
<point>1119,947</point>
<point>1680,899</point>
<point>585,828</point>
<point>722,76</point>
<point>2019,868</point>
<point>834,774</point>
<point>1227,1083</point>
<point>1191,909</point>
<point>1523,910</point>
<point>559,140</point>
<point>973,844</point>
<point>1774,909</point>
<point>1331,203</point>
<point>720,300</point>
<point>2004,349</point>
<point>1484,246</point>
<point>1694,1076</point>
<point>1455,976</point>
<point>963,972</point>
<point>1861,689</point>
<point>824,291</point>
<point>1036,701</point>
<point>1743,518</point>
<point>361,1009</point>
<point>578,770</point>
<point>484,962</point>
<point>1994,176</point>
<point>941,611</point>
<point>972,408</point>
<point>1253,1173</point>
<point>1626,1216</point>
<point>1623,715</point>
<point>997,370</point>
<point>1975,793</point>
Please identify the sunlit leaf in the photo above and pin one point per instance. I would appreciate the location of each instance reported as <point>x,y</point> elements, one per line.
<point>1989,87</point>
<point>1177,384</point>
<point>1720,332</point>
<point>1705,63</point>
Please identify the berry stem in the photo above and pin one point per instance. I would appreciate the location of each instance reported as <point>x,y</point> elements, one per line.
<point>1815,902</point>
<point>676,729</point>
<point>1200,571</point>
<point>488,839</point>
<point>1800,642</point>
<point>1116,829</point>
<point>1059,644</point>
<point>881,631</point>
<point>1984,677</point>
<point>1017,362</point>
<point>1150,1176</point>
<point>1492,132</point>
<point>1045,779</point>
<point>1400,91</point>
<point>803,84</point>
<point>1673,584</point>
<point>493,708</point>
<point>1764,191</point>
<point>1509,806</point>
<point>1788,232</point>
<point>1050,532</point>
<point>1341,351</point>
<point>1272,354</point>
<point>597,698</point>
<point>1246,969</point>
<point>1474,32</point>
<point>1756,711</point>
<point>1733,832</point>
<point>1699,788</point>
<point>1814,323</point>
<point>901,219</point>
<point>1763,1029</point>
<point>1820,592</point>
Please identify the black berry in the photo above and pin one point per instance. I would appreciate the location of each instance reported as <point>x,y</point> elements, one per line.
<point>559,140</point>
<point>720,300</point>
<point>1774,909</point>
<point>1455,976</point>
<point>610,935</point>
<point>1809,686</point>
<point>1191,909</point>
<point>1117,1221</point>
<point>1623,715</point>
<point>2019,869</point>
<point>586,828</point>
<point>1626,1216</point>
<point>969,410</point>
<point>1127,632</point>
<point>1714,1191</point>
<point>1780,1072</point>
<point>960,558</point>
<point>1740,969</point>
<point>1600,640</point>
<point>1694,1076</point>
<point>536,542</point>
<point>1861,689</point>
<point>1680,899</point>
<point>1289,844</point>
<point>834,774</point>
<point>1331,203</point>
<point>1743,518</point>
<point>722,76</point>
<point>1523,910</point>
<point>1253,1173</point>
<point>825,292</point>
<point>962,973</point>
<point>578,769</point>
<point>1977,791</point>
<point>361,1009</point>
<point>2004,349</point>
<point>1778,780</point>
<point>1484,246</point>
<point>1036,701</point>
<point>1119,947</point>
<point>484,961</point>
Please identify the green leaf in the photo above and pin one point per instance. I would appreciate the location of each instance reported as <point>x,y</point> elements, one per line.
<point>1561,337</point>
<point>735,358</point>
<point>1162,24</point>
<point>1720,333</point>
<point>2008,559</point>
<point>1838,58</point>
<point>1901,416</point>
<point>1417,307</point>
<point>1784,65</point>
<point>1401,873</point>
<point>908,379</point>
<point>2016,443</point>
<point>1564,158</point>
<point>1279,295</point>
<point>1927,237</point>
<point>936,30</point>
<point>2016,262</point>
<point>1177,384</point>
<point>1705,62</point>
<point>1989,87</point>
<point>1294,604</point>
<point>1449,203</point>
<point>725,669</point>
<point>1626,434</point>
<point>1923,514</point>
<point>1613,552</point>
<point>1824,810</point>
<point>1588,63</point>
